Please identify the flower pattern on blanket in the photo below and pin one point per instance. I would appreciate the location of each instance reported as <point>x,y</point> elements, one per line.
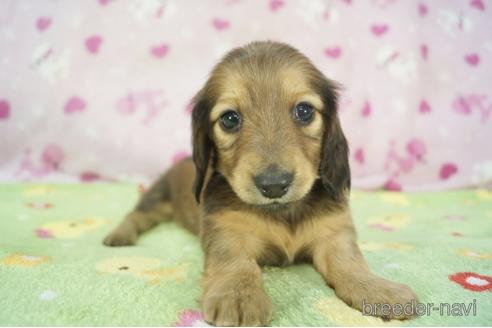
<point>484,194</point>
<point>473,254</point>
<point>38,190</point>
<point>69,229</point>
<point>46,268</point>
<point>395,198</point>
<point>472,281</point>
<point>150,269</point>
<point>373,246</point>
<point>191,318</point>
<point>389,222</point>
<point>39,205</point>
<point>24,260</point>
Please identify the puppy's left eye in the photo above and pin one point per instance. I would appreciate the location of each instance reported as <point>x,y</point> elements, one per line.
<point>303,112</point>
<point>230,121</point>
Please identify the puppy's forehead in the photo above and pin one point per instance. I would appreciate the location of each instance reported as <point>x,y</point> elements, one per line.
<point>258,87</point>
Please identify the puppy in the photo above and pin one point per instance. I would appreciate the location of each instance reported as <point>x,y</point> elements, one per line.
<point>271,181</point>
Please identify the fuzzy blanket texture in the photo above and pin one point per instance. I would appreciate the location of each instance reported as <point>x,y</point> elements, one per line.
<point>55,271</point>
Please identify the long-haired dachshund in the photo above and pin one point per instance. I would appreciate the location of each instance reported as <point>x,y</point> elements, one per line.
<point>271,182</point>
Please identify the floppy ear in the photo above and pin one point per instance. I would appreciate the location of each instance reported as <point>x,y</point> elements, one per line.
<point>202,144</point>
<point>334,166</point>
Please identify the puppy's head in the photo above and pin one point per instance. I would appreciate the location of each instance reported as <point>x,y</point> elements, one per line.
<point>267,119</point>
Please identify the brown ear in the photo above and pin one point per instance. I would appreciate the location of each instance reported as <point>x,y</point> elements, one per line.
<point>202,144</point>
<point>334,166</point>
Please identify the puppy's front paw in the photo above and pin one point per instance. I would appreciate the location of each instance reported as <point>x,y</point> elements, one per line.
<point>121,236</point>
<point>380,298</point>
<point>249,306</point>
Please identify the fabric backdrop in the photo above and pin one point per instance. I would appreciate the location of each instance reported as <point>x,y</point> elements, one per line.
<point>101,88</point>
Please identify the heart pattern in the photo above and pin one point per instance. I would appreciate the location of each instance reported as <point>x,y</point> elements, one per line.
<point>220,24</point>
<point>93,43</point>
<point>478,4</point>
<point>448,170</point>
<point>276,5</point>
<point>379,29</point>
<point>88,176</point>
<point>424,107</point>
<point>359,156</point>
<point>366,110</point>
<point>424,51</point>
<point>422,9</point>
<point>43,23</point>
<point>392,185</point>
<point>75,104</point>
<point>333,52</point>
<point>4,110</point>
<point>472,59</point>
<point>160,50</point>
<point>139,64</point>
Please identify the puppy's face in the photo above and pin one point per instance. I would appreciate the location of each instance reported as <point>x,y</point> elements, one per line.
<point>267,115</point>
<point>267,129</point>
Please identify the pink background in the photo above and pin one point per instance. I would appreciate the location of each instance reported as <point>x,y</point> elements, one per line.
<point>100,89</point>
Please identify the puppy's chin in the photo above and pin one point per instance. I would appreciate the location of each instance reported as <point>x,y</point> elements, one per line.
<point>274,207</point>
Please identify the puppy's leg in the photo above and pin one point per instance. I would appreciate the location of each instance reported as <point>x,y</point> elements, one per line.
<point>343,267</point>
<point>153,207</point>
<point>233,294</point>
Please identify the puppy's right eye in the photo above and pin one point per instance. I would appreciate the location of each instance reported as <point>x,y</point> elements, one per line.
<point>230,121</point>
<point>303,113</point>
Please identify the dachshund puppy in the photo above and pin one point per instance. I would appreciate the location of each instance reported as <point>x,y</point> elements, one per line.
<point>271,182</point>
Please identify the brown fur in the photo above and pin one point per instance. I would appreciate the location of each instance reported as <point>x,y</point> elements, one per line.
<point>238,227</point>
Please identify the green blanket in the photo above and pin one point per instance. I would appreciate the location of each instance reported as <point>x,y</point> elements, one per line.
<point>55,271</point>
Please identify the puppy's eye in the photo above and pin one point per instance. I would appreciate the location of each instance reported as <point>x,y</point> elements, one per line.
<point>303,112</point>
<point>230,121</point>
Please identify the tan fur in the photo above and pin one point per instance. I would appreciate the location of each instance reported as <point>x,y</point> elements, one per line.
<point>251,233</point>
<point>240,229</point>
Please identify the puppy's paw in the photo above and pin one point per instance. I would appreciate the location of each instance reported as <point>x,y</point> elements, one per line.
<point>380,298</point>
<point>122,236</point>
<point>250,306</point>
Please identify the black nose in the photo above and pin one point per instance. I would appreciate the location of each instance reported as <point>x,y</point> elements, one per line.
<point>273,183</point>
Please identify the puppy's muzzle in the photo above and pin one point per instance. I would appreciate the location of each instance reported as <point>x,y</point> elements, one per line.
<point>273,182</point>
